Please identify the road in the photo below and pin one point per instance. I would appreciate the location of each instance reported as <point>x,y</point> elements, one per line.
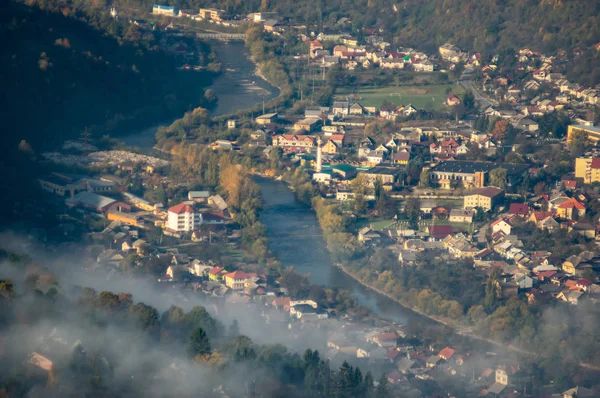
<point>466,80</point>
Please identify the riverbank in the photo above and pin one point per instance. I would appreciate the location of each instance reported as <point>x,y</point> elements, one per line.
<point>462,331</point>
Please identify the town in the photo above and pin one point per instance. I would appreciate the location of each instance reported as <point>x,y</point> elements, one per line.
<point>486,164</point>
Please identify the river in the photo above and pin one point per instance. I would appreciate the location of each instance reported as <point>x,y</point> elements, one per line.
<point>293,230</point>
<point>237,88</point>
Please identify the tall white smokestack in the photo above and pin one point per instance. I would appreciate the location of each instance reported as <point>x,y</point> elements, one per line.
<point>319,160</point>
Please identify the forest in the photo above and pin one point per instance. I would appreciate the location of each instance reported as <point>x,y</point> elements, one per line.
<point>67,67</point>
<point>67,341</point>
<point>478,25</point>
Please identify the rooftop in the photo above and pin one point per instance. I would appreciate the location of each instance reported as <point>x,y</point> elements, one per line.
<point>490,192</point>
<point>181,208</point>
<point>90,199</point>
<point>468,167</point>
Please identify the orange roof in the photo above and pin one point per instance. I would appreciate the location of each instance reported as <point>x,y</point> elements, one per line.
<point>446,353</point>
<point>181,208</point>
<point>571,204</point>
<point>239,275</point>
<point>215,271</point>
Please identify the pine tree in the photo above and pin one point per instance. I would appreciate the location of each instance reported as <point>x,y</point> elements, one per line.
<point>382,388</point>
<point>199,343</point>
<point>367,389</point>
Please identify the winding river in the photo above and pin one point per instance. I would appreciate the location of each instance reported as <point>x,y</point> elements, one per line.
<point>238,87</point>
<point>293,230</point>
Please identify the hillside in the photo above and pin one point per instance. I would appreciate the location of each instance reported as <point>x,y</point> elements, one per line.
<point>544,25</point>
<point>60,75</point>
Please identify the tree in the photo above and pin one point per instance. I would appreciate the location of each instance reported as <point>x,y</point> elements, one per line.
<point>578,142</point>
<point>359,188</point>
<point>468,101</point>
<point>425,178</point>
<point>296,283</point>
<point>412,209</point>
<point>199,344</point>
<point>382,388</point>
<point>498,178</point>
<point>491,292</point>
<point>7,290</point>
<point>234,329</point>
<point>367,390</point>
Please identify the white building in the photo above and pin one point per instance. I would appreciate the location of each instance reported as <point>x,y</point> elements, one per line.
<point>165,10</point>
<point>183,218</point>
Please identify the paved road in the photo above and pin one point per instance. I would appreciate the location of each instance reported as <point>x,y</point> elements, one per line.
<point>466,80</point>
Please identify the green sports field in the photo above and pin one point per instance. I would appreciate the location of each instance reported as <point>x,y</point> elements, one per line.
<point>418,96</point>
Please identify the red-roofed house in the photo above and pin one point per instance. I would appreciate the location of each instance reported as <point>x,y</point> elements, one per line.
<point>238,279</point>
<point>519,209</point>
<point>446,354</point>
<point>569,208</point>
<point>439,232</point>
<point>216,274</point>
<point>183,218</point>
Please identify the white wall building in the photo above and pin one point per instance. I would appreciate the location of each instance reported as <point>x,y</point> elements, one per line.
<point>183,218</point>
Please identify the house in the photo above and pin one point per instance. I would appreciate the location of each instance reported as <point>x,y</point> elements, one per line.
<point>309,124</point>
<point>537,216</point>
<point>579,392</point>
<point>216,274</point>
<point>169,11</point>
<point>267,118</point>
<point>583,228</point>
<point>459,246</point>
<point>356,109</point>
<point>474,174</point>
<point>572,297</point>
<point>387,175</point>
<point>330,147</point>
<point>96,203</point>
<point>576,264</point>
<point>340,108</point>
<point>501,224</point>
<point>367,235</point>
<point>571,209</point>
<point>439,232</point>
<point>183,218</point>
<point>401,157</point>
<point>523,281</point>
<point>446,354</point>
<point>307,311</point>
<point>519,209</point>
<point>293,142</point>
<point>218,202</point>
<point>432,361</point>
<point>461,216</point>
<point>452,100</point>
<point>198,196</point>
<point>485,198</point>
<point>238,280</point>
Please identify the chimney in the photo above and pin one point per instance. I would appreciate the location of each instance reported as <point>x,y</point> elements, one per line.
<point>319,155</point>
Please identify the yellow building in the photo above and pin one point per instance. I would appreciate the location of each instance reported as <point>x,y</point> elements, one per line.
<point>126,218</point>
<point>593,132</point>
<point>486,198</point>
<point>588,169</point>
<point>238,280</point>
<point>330,147</point>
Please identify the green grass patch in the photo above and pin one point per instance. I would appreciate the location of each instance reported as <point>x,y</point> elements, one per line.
<point>419,96</point>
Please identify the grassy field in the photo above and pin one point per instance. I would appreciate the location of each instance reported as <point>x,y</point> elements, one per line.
<point>418,96</point>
